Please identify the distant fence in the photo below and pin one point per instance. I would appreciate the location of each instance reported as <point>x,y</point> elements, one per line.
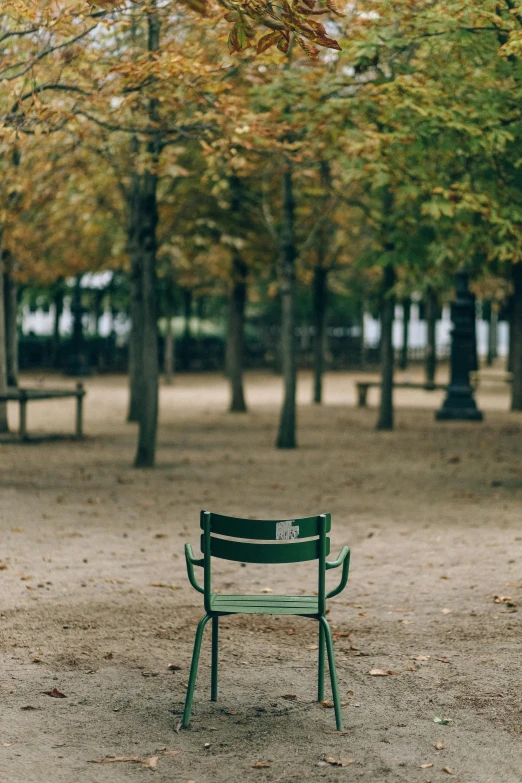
<point>343,351</point>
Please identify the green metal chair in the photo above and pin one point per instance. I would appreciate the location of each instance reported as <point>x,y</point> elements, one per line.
<point>262,541</point>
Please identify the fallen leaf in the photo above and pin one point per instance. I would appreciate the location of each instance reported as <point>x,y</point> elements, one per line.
<point>426,766</point>
<point>412,669</point>
<point>342,762</point>
<point>289,696</point>
<point>114,581</point>
<point>55,694</point>
<point>446,611</point>
<point>329,704</point>
<point>341,634</point>
<point>312,647</point>
<point>151,763</point>
<point>171,752</point>
<point>261,764</point>
<point>116,760</point>
<point>505,599</point>
<point>381,672</point>
<point>442,660</point>
<point>7,744</point>
<point>3,566</point>
<point>174,667</point>
<point>420,658</point>
<point>442,721</point>
<point>439,745</point>
<point>162,584</point>
<point>447,770</point>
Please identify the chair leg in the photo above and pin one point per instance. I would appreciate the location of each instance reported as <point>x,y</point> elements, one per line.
<point>333,674</point>
<point>194,670</point>
<point>214,677</point>
<point>320,670</point>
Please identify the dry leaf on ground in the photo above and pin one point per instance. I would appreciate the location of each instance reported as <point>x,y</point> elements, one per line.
<point>261,764</point>
<point>381,672</point>
<point>117,760</point>
<point>447,770</point>
<point>171,752</point>
<point>329,704</point>
<point>426,766</point>
<point>312,647</point>
<point>289,696</point>
<point>442,660</point>
<point>55,694</point>
<point>420,658</point>
<point>446,611</point>
<point>166,586</point>
<point>505,599</point>
<point>342,762</point>
<point>150,763</point>
<point>174,667</point>
<point>439,745</point>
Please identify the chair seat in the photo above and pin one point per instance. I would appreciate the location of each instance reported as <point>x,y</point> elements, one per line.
<point>265,604</point>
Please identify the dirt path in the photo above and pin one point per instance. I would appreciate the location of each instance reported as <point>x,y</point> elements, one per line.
<point>432,513</point>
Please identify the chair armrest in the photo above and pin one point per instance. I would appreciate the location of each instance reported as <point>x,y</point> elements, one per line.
<point>344,560</point>
<point>191,562</point>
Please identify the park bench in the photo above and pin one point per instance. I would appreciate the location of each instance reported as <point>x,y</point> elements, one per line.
<point>363,386</point>
<point>266,542</point>
<point>481,375</point>
<point>23,396</point>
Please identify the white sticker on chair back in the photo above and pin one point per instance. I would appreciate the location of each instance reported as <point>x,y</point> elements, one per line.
<point>286,531</point>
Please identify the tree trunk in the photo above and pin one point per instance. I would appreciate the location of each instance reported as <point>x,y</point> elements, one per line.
<point>286,438</point>
<point>11,329</point>
<point>385,421</point>
<point>168,360</point>
<point>492,335</point>
<point>516,338</point>
<point>430,365</point>
<point>320,293</point>
<point>474,360</point>
<point>187,336</point>
<point>236,329</point>
<point>406,313</point>
<point>146,357</point>
<point>148,420</point>
<point>58,310</point>
<point>3,358</point>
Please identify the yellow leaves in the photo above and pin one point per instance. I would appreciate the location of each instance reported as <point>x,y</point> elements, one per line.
<point>268,40</point>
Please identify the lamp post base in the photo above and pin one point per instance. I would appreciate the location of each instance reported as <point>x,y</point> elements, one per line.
<point>459,405</point>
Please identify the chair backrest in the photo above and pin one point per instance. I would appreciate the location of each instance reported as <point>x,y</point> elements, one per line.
<point>265,541</point>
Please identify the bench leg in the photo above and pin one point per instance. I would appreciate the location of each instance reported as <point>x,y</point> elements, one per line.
<point>79,410</point>
<point>23,418</point>
<point>194,670</point>
<point>214,675</point>
<point>363,393</point>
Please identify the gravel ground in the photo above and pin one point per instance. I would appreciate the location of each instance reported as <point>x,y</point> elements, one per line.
<point>96,603</point>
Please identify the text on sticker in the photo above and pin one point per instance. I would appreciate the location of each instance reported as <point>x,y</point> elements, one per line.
<point>286,531</point>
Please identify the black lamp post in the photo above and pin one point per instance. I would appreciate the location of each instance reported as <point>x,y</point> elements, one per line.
<point>459,402</point>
